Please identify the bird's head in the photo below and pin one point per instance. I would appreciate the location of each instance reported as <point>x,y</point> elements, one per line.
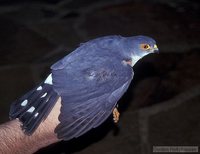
<point>137,47</point>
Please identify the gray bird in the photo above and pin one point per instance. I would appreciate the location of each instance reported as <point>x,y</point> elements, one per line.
<point>90,81</point>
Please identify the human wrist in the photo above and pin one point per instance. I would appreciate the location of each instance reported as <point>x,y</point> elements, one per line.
<point>13,139</point>
<point>45,133</point>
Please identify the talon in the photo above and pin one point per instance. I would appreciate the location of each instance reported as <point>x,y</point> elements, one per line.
<point>116,115</point>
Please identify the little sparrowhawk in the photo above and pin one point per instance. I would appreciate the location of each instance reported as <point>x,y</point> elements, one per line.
<point>90,81</point>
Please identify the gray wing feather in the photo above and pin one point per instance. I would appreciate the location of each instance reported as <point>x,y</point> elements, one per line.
<point>89,92</point>
<point>86,115</point>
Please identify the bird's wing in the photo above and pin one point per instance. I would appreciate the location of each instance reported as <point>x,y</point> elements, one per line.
<point>89,90</point>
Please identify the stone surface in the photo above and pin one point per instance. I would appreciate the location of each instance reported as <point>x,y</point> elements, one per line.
<point>178,126</point>
<point>127,138</point>
<point>60,33</point>
<point>19,44</point>
<point>14,81</point>
<point>171,123</point>
<point>137,18</point>
<point>164,76</point>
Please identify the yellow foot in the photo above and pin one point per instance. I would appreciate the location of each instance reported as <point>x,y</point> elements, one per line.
<point>116,115</point>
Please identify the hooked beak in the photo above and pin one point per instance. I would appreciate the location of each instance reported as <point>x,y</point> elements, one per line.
<point>155,49</point>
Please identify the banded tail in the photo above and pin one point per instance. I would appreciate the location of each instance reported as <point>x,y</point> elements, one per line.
<point>32,108</point>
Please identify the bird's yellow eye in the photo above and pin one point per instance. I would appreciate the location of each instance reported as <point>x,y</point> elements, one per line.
<point>145,46</point>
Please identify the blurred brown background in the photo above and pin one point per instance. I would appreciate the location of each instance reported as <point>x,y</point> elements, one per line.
<point>162,105</point>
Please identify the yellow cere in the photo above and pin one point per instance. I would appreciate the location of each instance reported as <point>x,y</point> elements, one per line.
<point>155,46</point>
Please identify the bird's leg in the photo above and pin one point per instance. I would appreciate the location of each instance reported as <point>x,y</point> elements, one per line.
<point>116,115</point>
